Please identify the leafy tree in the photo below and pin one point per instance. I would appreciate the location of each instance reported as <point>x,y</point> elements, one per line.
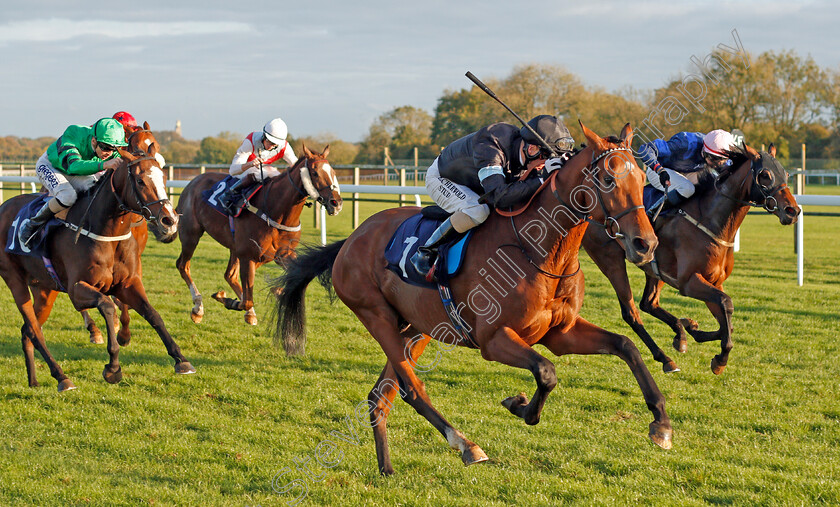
<point>341,152</point>
<point>401,130</point>
<point>219,149</point>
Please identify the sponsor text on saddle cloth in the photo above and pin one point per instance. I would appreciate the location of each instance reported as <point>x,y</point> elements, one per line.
<point>412,234</point>
<point>211,195</point>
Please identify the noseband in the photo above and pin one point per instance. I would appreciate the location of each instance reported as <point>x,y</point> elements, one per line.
<point>609,221</point>
<point>302,191</point>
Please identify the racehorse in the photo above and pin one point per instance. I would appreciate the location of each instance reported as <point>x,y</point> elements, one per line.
<point>254,240</point>
<point>141,141</point>
<point>99,259</point>
<point>695,253</point>
<point>539,305</point>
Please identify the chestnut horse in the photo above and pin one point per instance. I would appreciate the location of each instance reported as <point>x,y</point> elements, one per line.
<point>92,265</point>
<point>141,141</point>
<point>695,253</point>
<point>251,239</point>
<point>539,305</point>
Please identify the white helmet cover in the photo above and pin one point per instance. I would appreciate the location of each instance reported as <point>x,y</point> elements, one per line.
<point>718,142</point>
<point>276,131</point>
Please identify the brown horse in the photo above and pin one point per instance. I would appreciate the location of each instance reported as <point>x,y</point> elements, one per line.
<point>90,264</point>
<point>254,240</point>
<point>535,301</point>
<point>695,253</point>
<point>141,141</point>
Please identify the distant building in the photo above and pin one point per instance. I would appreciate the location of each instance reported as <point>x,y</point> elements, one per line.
<point>178,128</point>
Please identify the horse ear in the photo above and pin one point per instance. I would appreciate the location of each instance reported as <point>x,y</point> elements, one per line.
<point>146,126</point>
<point>326,151</point>
<point>594,139</point>
<point>751,152</point>
<point>306,150</point>
<point>627,135</point>
<point>772,150</point>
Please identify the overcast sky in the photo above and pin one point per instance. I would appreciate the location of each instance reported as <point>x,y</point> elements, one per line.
<point>334,66</point>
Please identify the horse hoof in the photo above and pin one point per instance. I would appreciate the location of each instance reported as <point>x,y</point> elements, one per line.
<point>670,367</point>
<point>473,455</point>
<point>196,316</point>
<point>717,367</point>
<point>123,340</point>
<point>514,403</point>
<point>112,377</point>
<point>66,385</point>
<point>680,344</point>
<point>690,324</point>
<point>219,296</point>
<point>184,368</point>
<point>661,435</point>
<point>96,338</point>
<point>251,319</point>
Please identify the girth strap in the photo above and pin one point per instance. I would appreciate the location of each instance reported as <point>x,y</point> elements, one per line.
<point>703,228</point>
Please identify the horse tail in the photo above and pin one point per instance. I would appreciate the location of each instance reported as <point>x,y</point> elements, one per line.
<point>289,314</point>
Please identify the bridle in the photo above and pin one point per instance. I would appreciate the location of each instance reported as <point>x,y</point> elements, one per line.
<point>145,207</point>
<point>768,194</point>
<point>305,192</point>
<point>582,217</point>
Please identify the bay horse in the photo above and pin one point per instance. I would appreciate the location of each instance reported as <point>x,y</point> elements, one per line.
<point>252,240</point>
<point>695,253</point>
<point>141,141</point>
<point>92,265</point>
<point>539,305</point>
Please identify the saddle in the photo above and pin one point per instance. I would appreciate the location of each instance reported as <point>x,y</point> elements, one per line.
<point>211,195</point>
<point>38,246</point>
<point>413,233</point>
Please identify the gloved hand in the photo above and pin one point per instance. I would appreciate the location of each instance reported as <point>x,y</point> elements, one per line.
<point>664,179</point>
<point>553,164</point>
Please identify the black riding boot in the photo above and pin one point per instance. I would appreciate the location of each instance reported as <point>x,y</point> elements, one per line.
<point>667,201</point>
<point>232,197</point>
<point>426,255</point>
<point>30,227</point>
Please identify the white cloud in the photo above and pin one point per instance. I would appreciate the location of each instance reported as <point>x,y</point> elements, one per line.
<point>51,30</point>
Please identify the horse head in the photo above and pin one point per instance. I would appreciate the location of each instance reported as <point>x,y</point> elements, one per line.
<point>320,181</point>
<point>764,184</point>
<point>139,186</point>
<point>616,182</point>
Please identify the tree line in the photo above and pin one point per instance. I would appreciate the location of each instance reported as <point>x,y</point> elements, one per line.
<point>778,97</point>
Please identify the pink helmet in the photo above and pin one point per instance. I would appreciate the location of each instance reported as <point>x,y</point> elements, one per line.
<point>125,119</point>
<point>718,142</point>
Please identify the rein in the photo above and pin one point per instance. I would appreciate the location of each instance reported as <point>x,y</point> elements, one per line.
<point>582,217</point>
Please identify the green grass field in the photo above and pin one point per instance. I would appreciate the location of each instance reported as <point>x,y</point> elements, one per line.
<point>765,432</point>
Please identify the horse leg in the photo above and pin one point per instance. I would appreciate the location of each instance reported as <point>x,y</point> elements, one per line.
<point>189,240</point>
<point>90,325</point>
<point>43,300</point>
<point>586,338</point>
<point>83,295</point>
<point>380,402</point>
<point>382,323</point>
<point>720,304</point>
<point>231,277</point>
<point>133,294</point>
<point>506,347</point>
<point>32,336</point>
<point>650,304</point>
<point>124,333</point>
<point>247,276</point>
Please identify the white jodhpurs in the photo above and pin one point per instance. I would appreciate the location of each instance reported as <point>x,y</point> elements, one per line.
<point>453,198</point>
<point>64,187</point>
<point>679,182</point>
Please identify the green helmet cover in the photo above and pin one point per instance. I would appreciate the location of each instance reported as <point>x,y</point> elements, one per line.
<point>109,131</point>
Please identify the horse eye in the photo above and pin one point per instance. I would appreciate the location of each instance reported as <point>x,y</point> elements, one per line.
<point>609,180</point>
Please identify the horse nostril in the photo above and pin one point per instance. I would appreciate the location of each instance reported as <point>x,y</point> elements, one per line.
<point>334,202</point>
<point>167,221</point>
<point>640,245</point>
<point>792,211</point>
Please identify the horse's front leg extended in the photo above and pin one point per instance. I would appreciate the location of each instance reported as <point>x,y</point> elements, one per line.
<point>720,304</point>
<point>650,305</point>
<point>133,294</point>
<point>587,338</point>
<point>507,347</point>
<point>84,296</point>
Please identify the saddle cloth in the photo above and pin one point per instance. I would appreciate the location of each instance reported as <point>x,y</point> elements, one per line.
<point>38,246</point>
<point>211,196</point>
<point>412,234</point>
<point>650,196</point>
